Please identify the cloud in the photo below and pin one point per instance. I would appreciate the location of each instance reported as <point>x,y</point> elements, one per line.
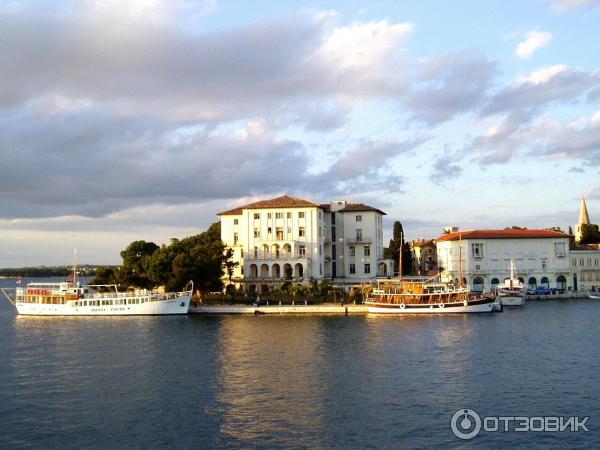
<point>533,42</point>
<point>137,59</point>
<point>447,86</point>
<point>446,167</point>
<point>93,164</point>
<point>563,6</point>
<point>543,86</point>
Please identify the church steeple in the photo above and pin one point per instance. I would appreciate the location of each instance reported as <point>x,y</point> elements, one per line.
<point>584,221</point>
<point>584,218</point>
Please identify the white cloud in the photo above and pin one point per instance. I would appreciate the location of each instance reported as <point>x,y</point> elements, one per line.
<point>563,6</point>
<point>364,44</point>
<point>534,41</point>
<point>542,75</point>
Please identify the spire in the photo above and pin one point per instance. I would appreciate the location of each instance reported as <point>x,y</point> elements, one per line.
<point>584,218</point>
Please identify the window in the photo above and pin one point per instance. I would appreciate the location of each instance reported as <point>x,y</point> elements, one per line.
<point>574,262</point>
<point>289,215</point>
<point>320,269</point>
<point>352,251</point>
<point>256,252</point>
<point>559,249</point>
<point>358,235</point>
<point>279,215</point>
<point>301,215</point>
<point>235,238</point>
<point>359,218</point>
<point>352,268</point>
<point>477,250</point>
<point>241,253</point>
<point>302,251</point>
<point>256,216</point>
<point>301,232</point>
<point>320,250</point>
<point>289,230</point>
<point>279,232</point>
<point>367,268</point>
<point>235,221</point>
<point>367,250</point>
<point>477,267</point>
<point>269,230</point>
<point>544,264</point>
<point>256,232</point>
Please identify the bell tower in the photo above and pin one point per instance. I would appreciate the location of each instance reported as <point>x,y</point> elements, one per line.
<point>584,219</point>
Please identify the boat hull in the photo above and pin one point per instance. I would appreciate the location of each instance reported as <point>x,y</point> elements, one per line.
<point>512,300</point>
<point>178,305</point>
<point>481,306</point>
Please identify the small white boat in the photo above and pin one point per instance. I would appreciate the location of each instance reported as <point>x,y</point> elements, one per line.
<point>512,291</point>
<point>594,296</point>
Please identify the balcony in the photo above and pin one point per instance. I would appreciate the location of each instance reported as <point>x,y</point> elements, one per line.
<point>260,256</point>
<point>357,241</point>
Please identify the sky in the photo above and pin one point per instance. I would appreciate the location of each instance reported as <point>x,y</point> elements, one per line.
<point>125,120</point>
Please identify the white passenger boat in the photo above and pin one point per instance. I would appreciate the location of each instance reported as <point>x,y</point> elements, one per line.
<point>70,298</point>
<point>512,291</point>
<point>425,297</point>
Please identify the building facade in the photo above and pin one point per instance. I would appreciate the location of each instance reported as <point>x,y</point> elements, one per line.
<point>585,265</point>
<point>423,257</point>
<point>288,239</point>
<point>541,256</point>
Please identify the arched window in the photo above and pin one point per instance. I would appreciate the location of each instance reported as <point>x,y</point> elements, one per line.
<point>253,271</point>
<point>521,280</point>
<point>264,271</point>
<point>532,283</point>
<point>561,282</point>
<point>478,284</point>
<point>299,270</point>
<point>494,284</point>
<point>276,271</point>
<point>288,272</point>
<point>545,283</point>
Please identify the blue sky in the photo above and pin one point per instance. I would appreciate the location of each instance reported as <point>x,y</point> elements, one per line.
<point>143,119</point>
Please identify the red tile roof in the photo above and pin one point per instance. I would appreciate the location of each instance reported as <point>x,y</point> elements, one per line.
<point>586,247</point>
<point>501,234</point>
<point>356,207</point>
<point>285,201</point>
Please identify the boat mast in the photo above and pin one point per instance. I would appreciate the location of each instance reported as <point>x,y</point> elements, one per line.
<point>460,276</point>
<point>75,265</point>
<point>400,256</point>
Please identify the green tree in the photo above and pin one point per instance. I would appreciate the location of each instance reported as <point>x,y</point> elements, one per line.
<point>399,247</point>
<point>589,234</point>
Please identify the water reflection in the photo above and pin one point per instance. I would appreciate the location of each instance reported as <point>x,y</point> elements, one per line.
<point>270,383</point>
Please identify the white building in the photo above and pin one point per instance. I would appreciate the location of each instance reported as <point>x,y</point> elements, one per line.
<point>287,239</point>
<point>585,265</point>
<point>541,257</point>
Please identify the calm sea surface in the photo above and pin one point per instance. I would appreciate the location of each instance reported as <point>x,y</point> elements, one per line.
<point>296,381</point>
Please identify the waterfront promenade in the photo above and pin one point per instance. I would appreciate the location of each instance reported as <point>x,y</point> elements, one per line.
<point>326,308</point>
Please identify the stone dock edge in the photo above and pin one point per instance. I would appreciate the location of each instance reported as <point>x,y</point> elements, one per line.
<point>276,309</point>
